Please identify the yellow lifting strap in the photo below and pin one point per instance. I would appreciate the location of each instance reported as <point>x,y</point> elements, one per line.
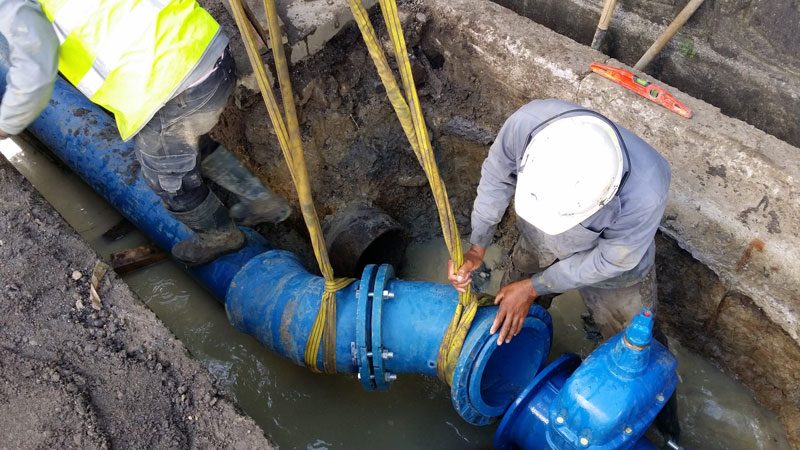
<point>291,144</point>
<point>409,112</point>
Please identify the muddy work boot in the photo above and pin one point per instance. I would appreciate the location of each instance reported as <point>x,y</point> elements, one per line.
<point>215,233</point>
<point>257,203</point>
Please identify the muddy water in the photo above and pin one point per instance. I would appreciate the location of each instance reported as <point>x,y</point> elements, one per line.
<point>300,410</point>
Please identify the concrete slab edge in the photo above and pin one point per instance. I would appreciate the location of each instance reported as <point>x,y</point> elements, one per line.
<point>308,24</point>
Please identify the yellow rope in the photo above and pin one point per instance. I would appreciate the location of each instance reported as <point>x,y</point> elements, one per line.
<point>291,144</point>
<point>409,112</point>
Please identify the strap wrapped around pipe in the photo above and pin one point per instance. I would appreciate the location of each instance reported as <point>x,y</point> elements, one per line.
<point>291,144</point>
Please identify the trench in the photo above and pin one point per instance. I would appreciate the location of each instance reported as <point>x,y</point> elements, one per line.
<point>737,56</point>
<point>297,409</point>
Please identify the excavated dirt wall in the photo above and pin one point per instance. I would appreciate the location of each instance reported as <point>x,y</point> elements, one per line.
<point>728,262</point>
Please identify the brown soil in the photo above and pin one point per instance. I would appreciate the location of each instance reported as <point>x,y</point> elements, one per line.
<point>74,377</point>
<point>355,148</point>
<point>729,329</point>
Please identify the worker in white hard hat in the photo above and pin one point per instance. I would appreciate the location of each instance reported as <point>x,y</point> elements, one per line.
<point>589,196</point>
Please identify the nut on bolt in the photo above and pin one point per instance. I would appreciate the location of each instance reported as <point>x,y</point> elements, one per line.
<point>390,376</point>
<point>387,294</point>
<point>386,354</point>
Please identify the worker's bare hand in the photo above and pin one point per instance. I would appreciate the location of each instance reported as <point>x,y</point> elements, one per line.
<point>515,300</point>
<point>3,135</point>
<point>463,277</point>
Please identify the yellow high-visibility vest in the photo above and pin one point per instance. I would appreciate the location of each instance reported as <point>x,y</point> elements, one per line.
<point>129,56</point>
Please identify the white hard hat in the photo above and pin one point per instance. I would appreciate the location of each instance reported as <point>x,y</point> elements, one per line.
<point>570,169</point>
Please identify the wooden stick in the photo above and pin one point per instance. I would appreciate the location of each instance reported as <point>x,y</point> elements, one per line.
<point>673,28</point>
<point>602,25</point>
<point>136,258</point>
<point>251,17</point>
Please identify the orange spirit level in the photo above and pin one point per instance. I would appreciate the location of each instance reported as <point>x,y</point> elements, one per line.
<point>646,89</point>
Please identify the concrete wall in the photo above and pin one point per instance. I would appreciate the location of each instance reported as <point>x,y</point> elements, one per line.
<point>738,55</point>
<point>734,196</point>
<point>307,24</point>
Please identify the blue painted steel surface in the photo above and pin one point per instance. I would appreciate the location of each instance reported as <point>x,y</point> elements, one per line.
<point>525,423</point>
<point>269,294</point>
<point>387,326</point>
<point>380,353</point>
<point>608,402</point>
<point>361,348</point>
<point>488,377</point>
<point>636,381</point>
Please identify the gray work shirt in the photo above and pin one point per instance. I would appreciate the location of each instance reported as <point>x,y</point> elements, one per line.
<point>612,248</point>
<point>33,47</point>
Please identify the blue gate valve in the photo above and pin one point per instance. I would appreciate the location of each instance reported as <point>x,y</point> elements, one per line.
<point>608,402</point>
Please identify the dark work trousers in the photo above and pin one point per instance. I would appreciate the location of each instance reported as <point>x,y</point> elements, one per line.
<point>171,146</point>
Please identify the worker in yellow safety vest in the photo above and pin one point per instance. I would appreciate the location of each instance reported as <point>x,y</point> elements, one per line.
<point>164,70</point>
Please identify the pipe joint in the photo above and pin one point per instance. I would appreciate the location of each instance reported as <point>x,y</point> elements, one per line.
<point>371,354</point>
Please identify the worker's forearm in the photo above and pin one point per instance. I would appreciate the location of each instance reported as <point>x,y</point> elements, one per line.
<point>482,235</point>
<point>17,111</point>
<point>476,251</point>
<point>608,260</point>
<point>494,195</point>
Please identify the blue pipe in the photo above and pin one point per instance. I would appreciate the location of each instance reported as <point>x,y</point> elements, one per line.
<point>398,328</point>
<point>606,403</point>
<point>385,326</point>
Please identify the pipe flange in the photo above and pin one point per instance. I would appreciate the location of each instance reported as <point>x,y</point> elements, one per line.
<point>363,343</point>
<point>480,390</point>
<point>379,295</point>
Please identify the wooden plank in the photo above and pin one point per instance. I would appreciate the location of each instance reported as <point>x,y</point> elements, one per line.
<point>136,258</point>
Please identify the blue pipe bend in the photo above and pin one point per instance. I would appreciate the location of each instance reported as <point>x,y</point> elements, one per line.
<point>387,327</point>
<point>269,294</point>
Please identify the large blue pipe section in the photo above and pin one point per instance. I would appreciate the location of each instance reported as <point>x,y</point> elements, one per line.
<point>385,326</point>
<point>398,328</point>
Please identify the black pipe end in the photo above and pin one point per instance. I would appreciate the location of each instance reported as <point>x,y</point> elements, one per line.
<point>361,234</point>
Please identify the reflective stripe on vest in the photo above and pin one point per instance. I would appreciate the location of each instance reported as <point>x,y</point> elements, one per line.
<point>129,56</point>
